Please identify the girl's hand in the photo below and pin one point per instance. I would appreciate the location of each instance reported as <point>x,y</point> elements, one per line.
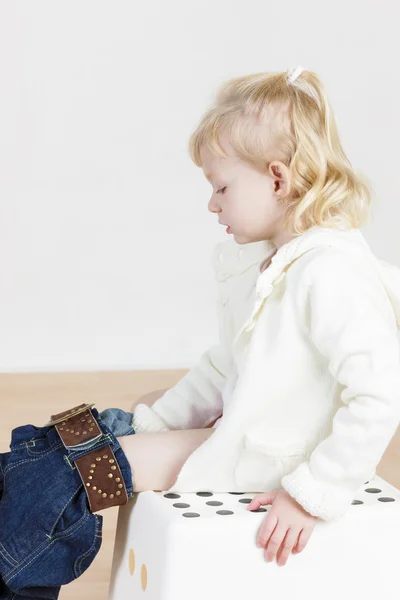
<point>286,522</point>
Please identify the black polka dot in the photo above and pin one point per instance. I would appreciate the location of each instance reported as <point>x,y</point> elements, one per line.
<point>366,482</point>
<point>386,499</point>
<point>214,503</point>
<point>204,494</point>
<point>173,496</point>
<point>190,514</point>
<point>245,500</point>
<point>357,502</point>
<point>373,490</point>
<point>180,505</point>
<point>237,493</point>
<point>260,509</point>
<point>224,512</point>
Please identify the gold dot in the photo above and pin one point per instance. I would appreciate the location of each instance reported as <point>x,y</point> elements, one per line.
<point>83,420</point>
<point>90,428</point>
<point>85,432</point>
<point>91,471</point>
<point>105,455</point>
<point>77,433</point>
<point>99,491</point>
<point>118,493</point>
<point>94,487</point>
<point>67,429</point>
<point>98,458</point>
<point>72,431</point>
<point>118,479</point>
<point>111,495</point>
<point>111,460</point>
<point>88,484</point>
<point>110,475</point>
<point>104,495</point>
<point>131,561</point>
<point>90,477</point>
<point>61,428</point>
<point>63,423</point>
<point>120,485</point>
<point>113,467</point>
<point>143,577</point>
<point>93,465</point>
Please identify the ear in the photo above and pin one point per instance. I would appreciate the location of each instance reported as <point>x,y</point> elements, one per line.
<point>281,176</point>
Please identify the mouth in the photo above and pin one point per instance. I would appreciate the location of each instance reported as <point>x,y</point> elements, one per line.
<point>228,229</point>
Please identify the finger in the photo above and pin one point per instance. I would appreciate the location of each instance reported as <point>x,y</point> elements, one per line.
<point>285,549</point>
<point>302,541</point>
<point>275,541</point>
<point>254,504</point>
<point>266,530</point>
<point>261,500</point>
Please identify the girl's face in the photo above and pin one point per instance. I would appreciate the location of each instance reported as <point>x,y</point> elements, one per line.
<point>246,199</point>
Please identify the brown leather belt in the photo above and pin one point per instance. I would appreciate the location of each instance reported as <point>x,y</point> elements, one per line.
<point>99,470</point>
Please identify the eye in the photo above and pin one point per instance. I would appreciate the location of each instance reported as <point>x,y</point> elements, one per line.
<point>222,190</point>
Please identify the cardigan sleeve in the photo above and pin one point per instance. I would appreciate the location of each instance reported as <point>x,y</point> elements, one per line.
<point>194,402</point>
<point>351,322</point>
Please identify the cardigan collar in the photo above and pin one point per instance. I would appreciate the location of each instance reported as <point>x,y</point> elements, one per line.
<point>349,240</point>
<point>231,258</point>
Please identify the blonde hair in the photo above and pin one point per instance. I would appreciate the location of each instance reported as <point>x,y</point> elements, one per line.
<point>270,118</point>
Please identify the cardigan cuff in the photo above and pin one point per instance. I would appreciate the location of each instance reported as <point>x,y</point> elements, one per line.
<point>323,500</point>
<point>146,420</point>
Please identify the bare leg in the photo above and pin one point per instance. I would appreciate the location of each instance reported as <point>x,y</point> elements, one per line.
<point>157,458</point>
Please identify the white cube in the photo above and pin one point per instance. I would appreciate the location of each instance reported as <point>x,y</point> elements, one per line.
<point>202,546</point>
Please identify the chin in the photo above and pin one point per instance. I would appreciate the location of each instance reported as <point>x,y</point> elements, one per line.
<point>241,239</point>
<point>237,238</point>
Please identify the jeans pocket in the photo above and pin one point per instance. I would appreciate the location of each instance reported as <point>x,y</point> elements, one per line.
<point>74,512</point>
<point>83,562</point>
<point>76,527</point>
<point>71,548</point>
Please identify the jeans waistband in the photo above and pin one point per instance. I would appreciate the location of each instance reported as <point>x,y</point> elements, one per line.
<point>19,437</point>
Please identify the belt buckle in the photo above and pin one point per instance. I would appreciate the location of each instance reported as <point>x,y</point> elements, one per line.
<point>68,413</point>
<point>77,426</point>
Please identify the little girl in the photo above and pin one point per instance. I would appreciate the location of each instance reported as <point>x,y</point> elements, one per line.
<point>305,381</point>
<point>307,372</point>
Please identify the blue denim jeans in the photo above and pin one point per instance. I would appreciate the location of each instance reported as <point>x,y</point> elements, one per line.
<point>118,420</point>
<point>48,536</point>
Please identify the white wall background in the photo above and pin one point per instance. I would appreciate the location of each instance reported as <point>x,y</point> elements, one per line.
<point>105,235</point>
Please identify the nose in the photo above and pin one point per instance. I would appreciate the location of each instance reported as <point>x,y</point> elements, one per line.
<point>212,207</point>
